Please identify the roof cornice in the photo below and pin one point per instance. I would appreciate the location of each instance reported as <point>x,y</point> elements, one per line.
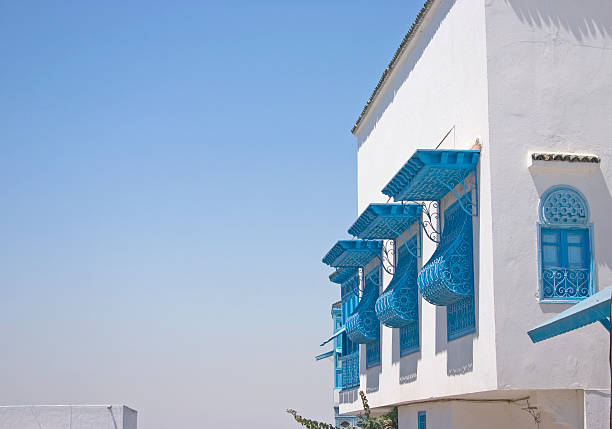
<point>414,28</point>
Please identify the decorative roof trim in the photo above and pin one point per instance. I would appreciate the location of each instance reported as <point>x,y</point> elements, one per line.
<point>385,221</point>
<point>569,157</point>
<point>416,26</point>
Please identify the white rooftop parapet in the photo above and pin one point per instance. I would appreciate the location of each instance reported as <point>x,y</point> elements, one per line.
<point>67,417</point>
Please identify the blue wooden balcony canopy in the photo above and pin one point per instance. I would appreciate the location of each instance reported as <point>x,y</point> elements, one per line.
<point>430,174</point>
<point>342,275</point>
<point>352,253</point>
<point>385,221</point>
<point>591,310</point>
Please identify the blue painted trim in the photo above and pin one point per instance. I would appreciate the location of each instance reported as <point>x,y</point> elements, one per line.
<point>336,334</point>
<point>606,323</point>
<point>422,420</point>
<point>352,253</point>
<point>429,174</point>
<point>325,355</point>
<point>590,310</point>
<point>385,221</point>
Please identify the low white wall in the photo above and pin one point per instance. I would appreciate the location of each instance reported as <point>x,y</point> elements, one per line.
<point>562,409</point>
<point>67,417</point>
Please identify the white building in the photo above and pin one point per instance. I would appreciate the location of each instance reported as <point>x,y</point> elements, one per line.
<point>67,417</point>
<point>506,105</point>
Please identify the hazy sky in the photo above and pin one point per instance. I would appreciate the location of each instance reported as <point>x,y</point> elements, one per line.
<point>172,174</point>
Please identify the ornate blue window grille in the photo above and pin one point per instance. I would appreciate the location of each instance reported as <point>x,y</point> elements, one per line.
<point>398,305</point>
<point>347,363</point>
<point>409,339</point>
<point>448,278</point>
<point>363,326</point>
<point>565,246</point>
<point>373,354</point>
<point>449,275</point>
<point>337,317</point>
<point>350,370</point>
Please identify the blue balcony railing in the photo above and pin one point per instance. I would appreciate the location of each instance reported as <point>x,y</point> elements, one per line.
<point>565,283</point>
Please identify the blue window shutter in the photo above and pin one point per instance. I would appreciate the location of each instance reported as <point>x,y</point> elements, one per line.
<point>551,247</point>
<point>578,248</point>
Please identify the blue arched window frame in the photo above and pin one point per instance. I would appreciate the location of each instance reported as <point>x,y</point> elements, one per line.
<point>564,227</point>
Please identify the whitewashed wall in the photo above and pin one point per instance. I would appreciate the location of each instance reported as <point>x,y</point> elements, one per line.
<point>550,90</point>
<point>521,76</point>
<point>441,84</point>
<point>67,417</point>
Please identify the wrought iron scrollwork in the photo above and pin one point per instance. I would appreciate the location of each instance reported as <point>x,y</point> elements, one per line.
<point>431,220</point>
<point>470,207</point>
<point>388,256</point>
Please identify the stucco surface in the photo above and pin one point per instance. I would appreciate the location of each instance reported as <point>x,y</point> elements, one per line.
<point>549,67</point>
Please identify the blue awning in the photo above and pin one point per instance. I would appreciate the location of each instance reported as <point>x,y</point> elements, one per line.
<point>430,174</point>
<point>325,355</point>
<point>338,332</point>
<point>385,221</point>
<point>341,275</point>
<point>352,253</point>
<point>593,309</point>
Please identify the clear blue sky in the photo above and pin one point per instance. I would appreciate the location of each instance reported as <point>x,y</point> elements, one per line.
<point>172,174</point>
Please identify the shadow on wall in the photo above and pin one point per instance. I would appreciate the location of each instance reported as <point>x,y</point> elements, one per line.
<point>408,368</point>
<point>441,342</point>
<point>460,356</point>
<point>405,69</point>
<point>408,364</point>
<point>582,19</point>
<point>349,396</point>
<point>372,375</point>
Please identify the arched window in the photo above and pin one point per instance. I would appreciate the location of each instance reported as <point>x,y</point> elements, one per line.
<point>564,247</point>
